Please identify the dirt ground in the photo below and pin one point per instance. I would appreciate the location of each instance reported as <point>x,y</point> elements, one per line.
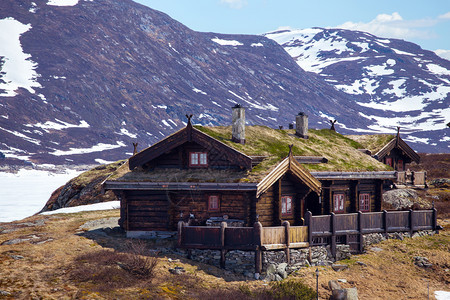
<point>38,257</point>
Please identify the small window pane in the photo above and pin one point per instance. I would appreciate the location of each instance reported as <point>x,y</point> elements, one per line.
<point>286,205</point>
<point>194,159</point>
<point>203,160</point>
<point>213,202</point>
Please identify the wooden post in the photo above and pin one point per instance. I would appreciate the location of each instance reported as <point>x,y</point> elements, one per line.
<point>287,228</point>
<point>257,235</point>
<point>223,252</point>
<point>434,221</point>
<point>180,233</point>
<point>333,235</point>
<point>411,222</point>
<point>308,222</point>
<point>385,221</point>
<point>360,229</point>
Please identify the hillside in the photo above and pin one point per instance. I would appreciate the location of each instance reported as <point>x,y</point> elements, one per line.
<point>99,75</point>
<point>62,256</point>
<point>394,82</point>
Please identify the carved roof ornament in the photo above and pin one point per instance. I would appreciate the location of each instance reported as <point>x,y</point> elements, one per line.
<point>135,148</point>
<point>332,125</point>
<point>398,136</point>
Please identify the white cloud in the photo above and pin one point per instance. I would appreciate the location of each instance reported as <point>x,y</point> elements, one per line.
<point>445,16</point>
<point>443,53</point>
<point>236,4</point>
<point>394,26</point>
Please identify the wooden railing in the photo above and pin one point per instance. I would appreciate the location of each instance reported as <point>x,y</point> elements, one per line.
<point>257,238</point>
<point>319,230</point>
<point>341,228</point>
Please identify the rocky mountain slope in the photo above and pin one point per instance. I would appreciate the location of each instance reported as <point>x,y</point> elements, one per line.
<point>99,75</point>
<point>402,84</point>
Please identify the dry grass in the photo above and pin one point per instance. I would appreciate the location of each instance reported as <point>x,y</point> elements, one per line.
<point>372,142</point>
<point>74,266</point>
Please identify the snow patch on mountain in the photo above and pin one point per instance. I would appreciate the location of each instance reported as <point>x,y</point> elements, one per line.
<point>17,67</point>
<point>62,2</point>
<point>59,125</point>
<point>226,42</point>
<point>96,148</point>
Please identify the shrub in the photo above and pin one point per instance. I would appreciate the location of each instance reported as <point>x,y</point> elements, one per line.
<point>291,289</point>
<point>107,270</point>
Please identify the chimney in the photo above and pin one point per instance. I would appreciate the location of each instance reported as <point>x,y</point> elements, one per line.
<point>301,125</point>
<point>238,125</point>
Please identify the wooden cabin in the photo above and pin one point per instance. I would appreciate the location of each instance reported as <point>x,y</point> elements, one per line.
<point>222,173</point>
<point>397,153</point>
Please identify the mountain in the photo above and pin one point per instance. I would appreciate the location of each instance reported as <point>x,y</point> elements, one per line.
<point>402,84</point>
<point>80,82</point>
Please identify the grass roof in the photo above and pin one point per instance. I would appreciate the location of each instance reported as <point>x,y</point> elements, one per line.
<point>372,142</point>
<point>341,152</point>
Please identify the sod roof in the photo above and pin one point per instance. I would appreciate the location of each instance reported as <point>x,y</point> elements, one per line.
<point>341,152</point>
<point>372,142</point>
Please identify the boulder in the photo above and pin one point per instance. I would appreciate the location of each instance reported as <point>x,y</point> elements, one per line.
<point>400,199</point>
<point>339,267</point>
<point>334,285</point>
<point>422,262</point>
<point>352,294</point>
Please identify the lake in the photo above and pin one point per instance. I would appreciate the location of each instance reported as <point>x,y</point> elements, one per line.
<point>25,193</point>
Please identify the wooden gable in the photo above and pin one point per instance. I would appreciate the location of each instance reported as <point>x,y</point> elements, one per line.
<point>398,143</point>
<point>189,135</point>
<point>289,164</point>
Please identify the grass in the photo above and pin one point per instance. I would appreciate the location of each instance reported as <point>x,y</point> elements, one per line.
<point>372,142</point>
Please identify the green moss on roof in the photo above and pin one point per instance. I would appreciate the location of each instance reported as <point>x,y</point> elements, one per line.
<point>341,152</point>
<point>261,140</point>
<point>372,142</point>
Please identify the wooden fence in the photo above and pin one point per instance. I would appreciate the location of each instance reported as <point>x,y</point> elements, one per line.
<point>319,231</point>
<point>349,228</point>
<point>256,238</point>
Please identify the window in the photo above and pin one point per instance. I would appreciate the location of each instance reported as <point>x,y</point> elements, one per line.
<point>338,202</point>
<point>213,203</point>
<point>286,205</point>
<point>388,161</point>
<point>198,159</point>
<point>364,202</point>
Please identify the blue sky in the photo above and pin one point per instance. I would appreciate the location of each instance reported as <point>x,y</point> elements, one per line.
<point>425,22</point>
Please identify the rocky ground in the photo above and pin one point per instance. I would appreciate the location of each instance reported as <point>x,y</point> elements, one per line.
<point>50,257</point>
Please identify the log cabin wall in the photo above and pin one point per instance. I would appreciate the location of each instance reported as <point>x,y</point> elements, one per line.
<point>265,206</point>
<point>147,210</point>
<point>398,159</point>
<point>351,189</point>
<point>179,158</point>
<point>236,205</point>
<point>268,206</point>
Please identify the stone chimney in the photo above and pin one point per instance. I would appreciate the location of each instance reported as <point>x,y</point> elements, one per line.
<point>301,125</point>
<point>238,125</point>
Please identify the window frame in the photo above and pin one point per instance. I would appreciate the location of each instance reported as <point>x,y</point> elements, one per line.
<point>340,197</point>
<point>198,156</point>
<point>284,205</point>
<point>389,161</point>
<point>364,202</point>
<point>210,208</point>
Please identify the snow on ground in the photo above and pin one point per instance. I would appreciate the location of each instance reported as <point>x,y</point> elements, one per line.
<point>95,148</point>
<point>25,193</point>
<point>89,207</point>
<point>442,295</point>
<point>410,103</point>
<point>438,70</point>
<point>257,45</point>
<point>22,136</point>
<point>227,42</point>
<point>59,125</point>
<point>18,68</point>
<point>198,91</point>
<point>124,131</point>
<point>62,2</point>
